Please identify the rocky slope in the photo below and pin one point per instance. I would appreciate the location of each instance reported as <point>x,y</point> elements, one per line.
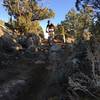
<point>68,73</point>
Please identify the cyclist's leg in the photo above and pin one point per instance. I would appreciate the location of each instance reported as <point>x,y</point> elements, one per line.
<point>50,39</point>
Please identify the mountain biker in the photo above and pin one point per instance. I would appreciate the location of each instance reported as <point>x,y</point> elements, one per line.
<point>50,28</point>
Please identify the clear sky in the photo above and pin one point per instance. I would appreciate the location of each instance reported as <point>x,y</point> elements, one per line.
<point>3,13</point>
<point>60,7</point>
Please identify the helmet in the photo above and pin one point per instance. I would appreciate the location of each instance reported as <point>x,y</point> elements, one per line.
<point>48,22</point>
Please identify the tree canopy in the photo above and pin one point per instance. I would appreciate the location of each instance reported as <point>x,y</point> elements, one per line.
<point>94,3</point>
<point>76,22</point>
<point>59,29</point>
<point>25,14</point>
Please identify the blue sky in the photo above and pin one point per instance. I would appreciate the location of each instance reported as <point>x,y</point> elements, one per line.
<point>60,7</point>
<point>3,13</point>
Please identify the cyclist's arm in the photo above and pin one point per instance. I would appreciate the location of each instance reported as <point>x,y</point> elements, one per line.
<point>47,29</point>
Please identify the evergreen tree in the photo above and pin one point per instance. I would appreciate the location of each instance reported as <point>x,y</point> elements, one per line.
<point>59,30</point>
<point>82,3</point>
<point>95,4</point>
<point>25,15</point>
<point>76,22</point>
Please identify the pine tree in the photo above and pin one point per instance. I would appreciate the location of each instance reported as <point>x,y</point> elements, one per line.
<point>82,3</point>
<point>76,22</point>
<point>25,15</point>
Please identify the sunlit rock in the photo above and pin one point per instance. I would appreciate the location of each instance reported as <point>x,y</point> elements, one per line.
<point>87,35</point>
<point>1,31</point>
<point>70,39</point>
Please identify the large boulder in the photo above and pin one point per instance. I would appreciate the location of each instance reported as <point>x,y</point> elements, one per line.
<point>10,44</point>
<point>33,40</point>
<point>55,53</point>
<point>22,40</point>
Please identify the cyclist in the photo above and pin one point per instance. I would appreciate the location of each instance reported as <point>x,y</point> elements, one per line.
<point>50,28</point>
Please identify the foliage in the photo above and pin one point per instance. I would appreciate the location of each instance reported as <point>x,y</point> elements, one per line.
<point>95,28</point>
<point>94,3</point>
<point>59,29</point>
<point>25,15</point>
<point>1,23</point>
<point>76,22</point>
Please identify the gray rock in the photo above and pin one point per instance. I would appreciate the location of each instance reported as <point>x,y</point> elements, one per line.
<point>10,90</point>
<point>55,48</point>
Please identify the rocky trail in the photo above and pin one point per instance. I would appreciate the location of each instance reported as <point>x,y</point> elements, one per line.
<point>57,74</point>
<point>22,82</point>
<point>25,79</point>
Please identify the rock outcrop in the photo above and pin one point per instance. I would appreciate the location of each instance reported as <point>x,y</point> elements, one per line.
<point>51,72</point>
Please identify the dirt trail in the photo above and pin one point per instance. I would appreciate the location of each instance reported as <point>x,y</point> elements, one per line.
<point>36,76</point>
<point>42,78</point>
<point>37,82</point>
